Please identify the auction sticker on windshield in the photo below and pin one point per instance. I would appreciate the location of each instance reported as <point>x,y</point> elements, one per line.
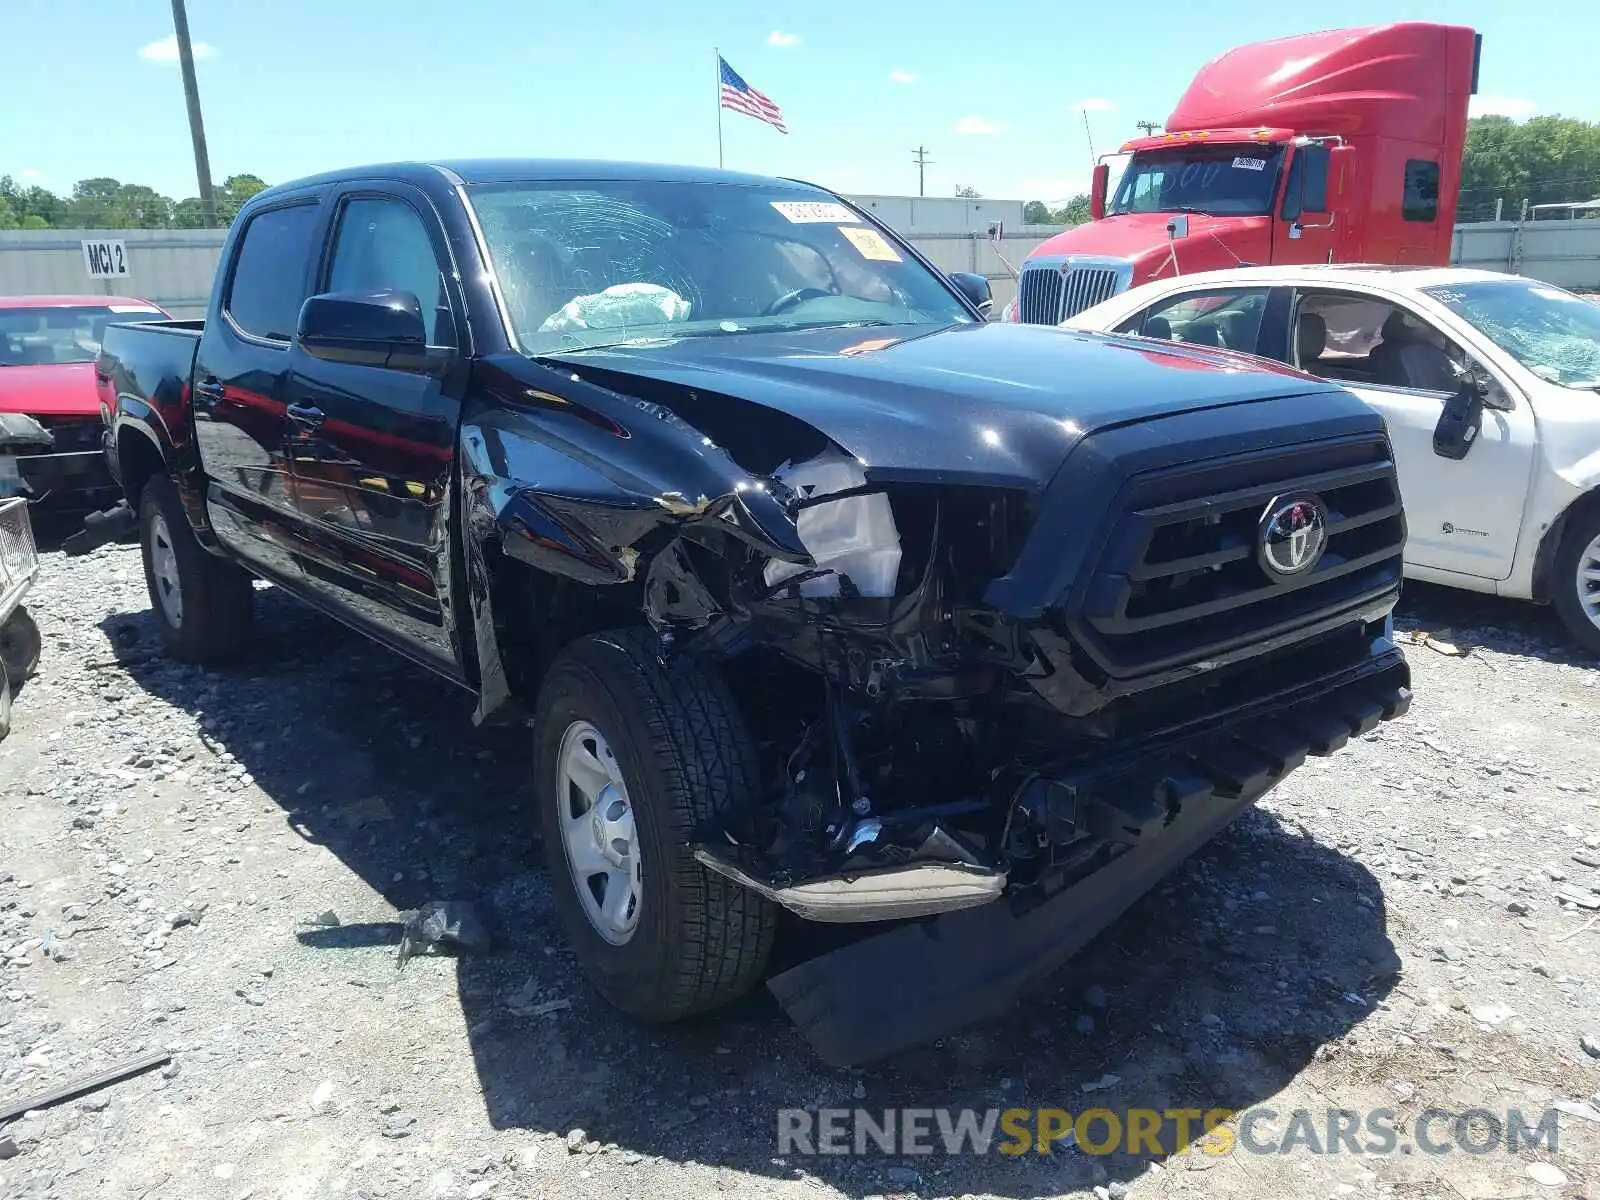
<point>869,244</point>
<point>807,212</point>
<point>1249,164</point>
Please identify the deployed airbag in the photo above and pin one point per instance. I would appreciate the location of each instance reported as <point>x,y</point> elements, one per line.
<point>618,307</point>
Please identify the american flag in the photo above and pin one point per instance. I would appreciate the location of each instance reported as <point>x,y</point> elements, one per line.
<point>741,97</point>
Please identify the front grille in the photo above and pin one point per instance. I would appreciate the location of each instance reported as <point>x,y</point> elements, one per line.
<point>1180,580</point>
<point>74,434</point>
<point>1047,295</point>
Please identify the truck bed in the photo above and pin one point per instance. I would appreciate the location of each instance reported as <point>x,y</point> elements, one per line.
<point>143,377</point>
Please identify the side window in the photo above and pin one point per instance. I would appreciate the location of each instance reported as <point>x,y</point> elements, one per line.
<point>1422,190</point>
<point>1358,339</point>
<point>1229,318</point>
<point>1308,182</point>
<point>382,245</point>
<point>269,274</point>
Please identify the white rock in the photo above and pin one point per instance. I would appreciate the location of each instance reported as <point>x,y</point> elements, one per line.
<point>1548,1174</point>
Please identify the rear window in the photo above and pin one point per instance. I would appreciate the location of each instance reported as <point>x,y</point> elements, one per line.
<point>270,272</point>
<point>43,336</point>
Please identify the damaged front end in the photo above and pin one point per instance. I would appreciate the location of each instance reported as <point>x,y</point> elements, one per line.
<point>961,690</point>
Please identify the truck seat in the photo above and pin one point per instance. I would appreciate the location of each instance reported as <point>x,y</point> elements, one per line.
<point>1310,339</point>
<point>1406,358</point>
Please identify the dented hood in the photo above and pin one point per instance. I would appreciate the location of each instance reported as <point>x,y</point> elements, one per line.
<point>996,404</point>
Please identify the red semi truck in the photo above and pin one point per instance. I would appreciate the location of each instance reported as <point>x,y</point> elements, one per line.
<point>1341,146</point>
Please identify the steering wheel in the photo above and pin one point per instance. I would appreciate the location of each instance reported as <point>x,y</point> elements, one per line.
<point>790,299</point>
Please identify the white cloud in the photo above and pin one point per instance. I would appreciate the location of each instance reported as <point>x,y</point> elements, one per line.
<point>166,50</point>
<point>899,76</point>
<point>1515,107</point>
<point>978,127</point>
<point>779,38</point>
<point>1096,104</point>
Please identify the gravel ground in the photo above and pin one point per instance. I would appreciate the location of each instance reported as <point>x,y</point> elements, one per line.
<point>212,864</point>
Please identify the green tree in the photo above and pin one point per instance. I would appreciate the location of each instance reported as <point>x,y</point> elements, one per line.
<point>1544,160</point>
<point>235,190</point>
<point>1076,211</point>
<point>1036,212</point>
<point>968,193</point>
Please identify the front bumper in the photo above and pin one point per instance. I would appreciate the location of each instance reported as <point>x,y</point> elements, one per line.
<point>922,979</point>
<point>70,472</point>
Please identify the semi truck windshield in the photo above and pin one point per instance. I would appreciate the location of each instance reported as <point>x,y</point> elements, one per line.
<point>1222,180</point>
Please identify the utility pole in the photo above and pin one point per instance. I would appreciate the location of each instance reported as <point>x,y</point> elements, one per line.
<point>197,129</point>
<point>1149,127</point>
<point>920,157</point>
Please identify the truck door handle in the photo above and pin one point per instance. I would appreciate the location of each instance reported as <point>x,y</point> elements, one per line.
<point>305,414</point>
<point>209,389</point>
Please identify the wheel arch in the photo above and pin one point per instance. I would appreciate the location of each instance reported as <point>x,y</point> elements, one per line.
<point>1585,505</point>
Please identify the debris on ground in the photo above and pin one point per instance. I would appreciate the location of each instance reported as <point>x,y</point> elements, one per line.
<point>440,925</point>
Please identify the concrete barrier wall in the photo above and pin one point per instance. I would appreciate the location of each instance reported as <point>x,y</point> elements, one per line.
<point>173,267</point>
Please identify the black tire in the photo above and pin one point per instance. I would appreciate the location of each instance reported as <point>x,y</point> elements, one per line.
<point>701,940</point>
<point>1567,590</point>
<point>20,645</point>
<point>5,703</point>
<point>213,617</point>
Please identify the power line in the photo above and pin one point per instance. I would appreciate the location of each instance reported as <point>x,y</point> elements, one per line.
<point>920,157</point>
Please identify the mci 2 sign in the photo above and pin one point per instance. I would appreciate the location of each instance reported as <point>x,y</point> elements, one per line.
<point>105,259</point>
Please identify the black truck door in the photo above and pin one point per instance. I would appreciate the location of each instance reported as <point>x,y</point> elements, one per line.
<point>241,376</point>
<point>372,445</point>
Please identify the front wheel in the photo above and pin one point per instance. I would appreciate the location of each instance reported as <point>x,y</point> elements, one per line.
<point>630,757</point>
<point>201,603</point>
<point>1576,582</point>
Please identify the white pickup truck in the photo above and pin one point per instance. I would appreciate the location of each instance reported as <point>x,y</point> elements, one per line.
<point>1489,384</point>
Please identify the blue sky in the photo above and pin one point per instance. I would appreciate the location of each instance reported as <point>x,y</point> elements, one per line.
<point>996,93</point>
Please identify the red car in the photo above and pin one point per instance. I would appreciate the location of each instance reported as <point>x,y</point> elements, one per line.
<point>48,347</point>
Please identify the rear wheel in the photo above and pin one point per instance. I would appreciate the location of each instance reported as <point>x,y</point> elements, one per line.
<point>630,757</point>
<point>1576,581</point>
<point>20,644</point>
<point>201,603</point>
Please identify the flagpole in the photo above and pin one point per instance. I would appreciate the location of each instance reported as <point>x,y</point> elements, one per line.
<point>715,50</point>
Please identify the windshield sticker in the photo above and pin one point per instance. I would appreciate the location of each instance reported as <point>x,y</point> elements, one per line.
<point>813,212</point>
<point>869,244</point>
<point>132,308</point>
<point>1249,164</point>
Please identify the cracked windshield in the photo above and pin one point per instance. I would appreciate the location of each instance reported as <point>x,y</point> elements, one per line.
<point>597,263</point>
<point>1553,333</point>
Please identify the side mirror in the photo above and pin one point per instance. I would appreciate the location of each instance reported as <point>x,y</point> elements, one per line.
<point>372,329</point>
<point>1099,182</point>
<point>1461,420</point>
<point>975,288</point>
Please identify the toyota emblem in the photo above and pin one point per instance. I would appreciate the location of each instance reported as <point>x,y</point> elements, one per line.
<point>1292,535</point>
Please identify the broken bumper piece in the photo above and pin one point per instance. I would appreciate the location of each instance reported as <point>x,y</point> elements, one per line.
<point>921,980</point>
<point>897,893</point>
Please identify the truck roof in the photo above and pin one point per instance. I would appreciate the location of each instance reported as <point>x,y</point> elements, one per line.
<point>1338,81</point>
<point>528,170</point>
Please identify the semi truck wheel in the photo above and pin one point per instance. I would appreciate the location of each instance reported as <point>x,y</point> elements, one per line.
<point>629,758</point>
<point>20,645</point>
<point>201,603</point>
<point>1575,584</point>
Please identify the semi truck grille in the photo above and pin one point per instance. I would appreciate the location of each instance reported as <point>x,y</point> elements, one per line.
<point>1047,295</point>
<point>1182,575</point>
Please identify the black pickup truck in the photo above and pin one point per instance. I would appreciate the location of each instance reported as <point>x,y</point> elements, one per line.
<point>826,595</point>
